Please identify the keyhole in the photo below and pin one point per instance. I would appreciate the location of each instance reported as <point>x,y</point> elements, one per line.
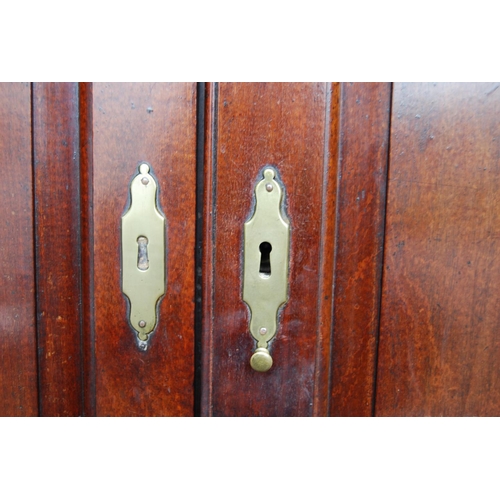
<point>265,259</point>
<point>142,253</point>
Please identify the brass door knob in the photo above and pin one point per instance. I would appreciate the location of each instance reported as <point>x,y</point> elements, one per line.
<point>261,360</point>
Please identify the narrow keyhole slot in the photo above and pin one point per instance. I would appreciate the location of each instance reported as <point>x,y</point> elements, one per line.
<point>142,253</point>
<point>265,259</point>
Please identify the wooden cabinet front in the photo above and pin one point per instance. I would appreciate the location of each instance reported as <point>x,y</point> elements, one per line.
<point>391,194</point>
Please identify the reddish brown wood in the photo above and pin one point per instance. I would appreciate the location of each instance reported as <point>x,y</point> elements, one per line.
<point>325,295</point>
<point>18,364</point>
<point>249,126</point>
<point>87,246</point>
<point>133,123</point>
<point>57,214</point>
<point>207,270</point>
<point>364,134</point>
<point>440,322</point>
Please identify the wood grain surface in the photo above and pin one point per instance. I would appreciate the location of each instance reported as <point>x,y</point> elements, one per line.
<point>85,116</point>
<point>18,360</point>
<point>439,339</point>
<point>394,304</point>
<point>362,174</point>
<point>250,126</point>
<point>127,124</point>
<point>57,217</point>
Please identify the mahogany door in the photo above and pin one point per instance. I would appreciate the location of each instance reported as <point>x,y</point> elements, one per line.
<point>69,152</point>
<point>328,144</point>
<point>124,125</point>
<point>392,301</point>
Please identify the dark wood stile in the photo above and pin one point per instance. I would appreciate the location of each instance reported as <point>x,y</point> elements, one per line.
<point>362,178</point>
<point>325,297</point>
<point>57,213</point>
<point>18,360</point>
<point>87,244</point>
<point>211,96</point>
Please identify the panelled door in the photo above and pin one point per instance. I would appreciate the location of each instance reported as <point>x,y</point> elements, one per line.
<point>70,152</point>
<point>344,233</point>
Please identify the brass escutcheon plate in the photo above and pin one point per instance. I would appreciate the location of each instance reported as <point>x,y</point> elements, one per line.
<point>265,268</point>
<point>143,254</point>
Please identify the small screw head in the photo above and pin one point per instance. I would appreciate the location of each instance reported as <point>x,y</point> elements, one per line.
<point>269,187</point>
<point>142,323</point>
<point>263,331</point>
<point>145,180</point>
<point>143,347</point>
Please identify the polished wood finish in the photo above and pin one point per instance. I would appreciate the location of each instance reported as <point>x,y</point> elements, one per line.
<point>207,247</point>
<point>127,124</point>
<point>18,362</point>
<point>249,126</point>
<point>439,338</point>
<point>421,267</point>
<point>87,245</point>
<point>362,178</point>
<point>57,213</point>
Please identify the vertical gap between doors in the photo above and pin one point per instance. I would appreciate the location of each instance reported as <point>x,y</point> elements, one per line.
<point>200,151</point>
<point>35,261</point>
